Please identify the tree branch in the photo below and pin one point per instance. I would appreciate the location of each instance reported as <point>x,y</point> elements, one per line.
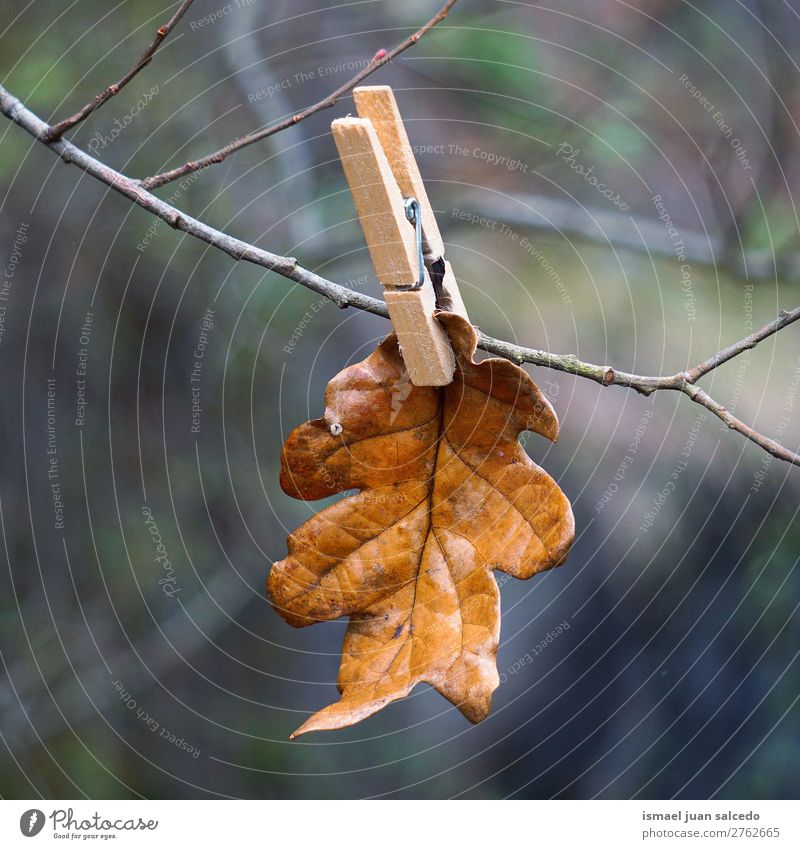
<point>380,59</point>
<point>343,297</point>
<point>57,130</point>
<point>681,382</point>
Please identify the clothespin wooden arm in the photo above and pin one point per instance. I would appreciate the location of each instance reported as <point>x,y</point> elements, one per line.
<point>379,202</point>
<point>378,104</point>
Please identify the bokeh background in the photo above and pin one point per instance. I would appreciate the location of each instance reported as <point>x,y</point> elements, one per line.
<point>678,674</point>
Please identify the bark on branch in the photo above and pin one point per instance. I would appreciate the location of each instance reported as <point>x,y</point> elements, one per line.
<point>288,267</point>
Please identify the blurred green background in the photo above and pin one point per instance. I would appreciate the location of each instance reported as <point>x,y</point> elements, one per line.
<point>679,673</point>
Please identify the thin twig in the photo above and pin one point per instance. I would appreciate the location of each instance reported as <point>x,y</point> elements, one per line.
<point>57,130</point>
<point>380,59</point>
<point>343,297</point>
<point>785,317</point>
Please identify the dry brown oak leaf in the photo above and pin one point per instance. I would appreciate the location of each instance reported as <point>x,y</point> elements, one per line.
<point>447,494</point>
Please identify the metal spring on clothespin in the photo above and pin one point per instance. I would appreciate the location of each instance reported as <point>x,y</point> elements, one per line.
<point>414,215</point>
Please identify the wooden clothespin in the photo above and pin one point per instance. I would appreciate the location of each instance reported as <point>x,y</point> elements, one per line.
<point>402,236</point>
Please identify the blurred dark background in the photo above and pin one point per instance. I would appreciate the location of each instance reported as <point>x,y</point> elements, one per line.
<point>679,672</point>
